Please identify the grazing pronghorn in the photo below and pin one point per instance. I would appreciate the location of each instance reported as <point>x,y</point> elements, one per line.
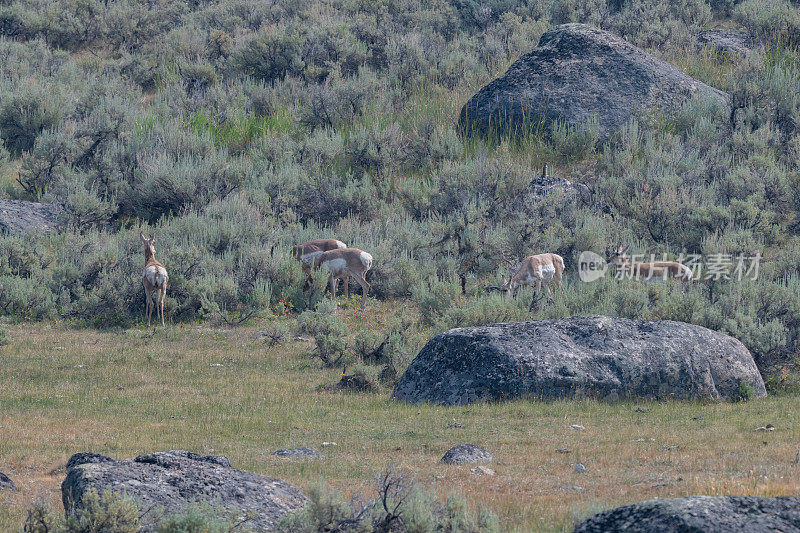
<point>342,263</point>
<point>534,269</point>
<point>306,252</point>
<point>154,277</point>
<point>648,271</point>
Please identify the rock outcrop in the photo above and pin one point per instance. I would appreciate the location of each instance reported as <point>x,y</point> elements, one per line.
<point>6,483</point>
<point>593,356</point>
<point>297,452</point>
<point>18,217</point>
<point>165,482</point>
<point>735,42</point>
<point>466,453</point>
<point>709,514</point>
<point>578,73</point>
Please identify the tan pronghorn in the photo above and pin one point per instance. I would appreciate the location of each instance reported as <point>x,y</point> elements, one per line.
<point>648,271</point>
<point>307,251</point>
<point>342,263</point>
<point>154,278</point>
<point>534,269</point>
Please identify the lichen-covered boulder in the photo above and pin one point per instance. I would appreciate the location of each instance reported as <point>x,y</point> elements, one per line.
<point>166,482</point>
<point>592,356</point>
<point>578,73</point>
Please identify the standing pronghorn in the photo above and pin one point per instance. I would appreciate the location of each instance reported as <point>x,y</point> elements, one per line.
<point>154,277</point>
<point>307,252</point>
<point>342,263</point>
<point>534,269</point>
<point>648,271</point>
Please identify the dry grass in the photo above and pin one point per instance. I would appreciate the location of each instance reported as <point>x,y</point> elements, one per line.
<point>130,392</point>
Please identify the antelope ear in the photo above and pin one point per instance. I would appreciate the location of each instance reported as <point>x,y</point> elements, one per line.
<point>144,239</point>
<point>152,238</point>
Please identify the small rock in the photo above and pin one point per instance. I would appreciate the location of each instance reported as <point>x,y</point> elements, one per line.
<point>296,452</point>
<point>482,470</point>
<point>563,450</point>
<point>642,410</point>
<point>216,364</point>
<point>698,417</point>
<point>466,453</point>
<point>577,427</point>
<point>575,488</point>
<point>302,339</point>
<point>670,447</point>
<point>768,427</point>
<point>324,444</point>
<point>6,483</point>
<point>579,468</point>
<point>455,424</point>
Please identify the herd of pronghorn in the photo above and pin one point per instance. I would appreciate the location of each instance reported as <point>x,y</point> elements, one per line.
<point>343,262</point>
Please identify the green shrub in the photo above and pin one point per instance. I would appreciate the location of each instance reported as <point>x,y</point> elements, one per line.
<point>106,512</point>
<point>400,505</point>
<point>196,519</point>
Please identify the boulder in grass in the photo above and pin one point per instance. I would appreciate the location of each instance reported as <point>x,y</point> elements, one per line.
<point>168,482</point>
<point>709,514</point>
<point>466,453</point>
<point>592,356</point>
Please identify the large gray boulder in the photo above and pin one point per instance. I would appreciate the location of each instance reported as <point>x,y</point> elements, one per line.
<point>578,72</point>
<point>593,356</point>
<point>18,217</point>
<point>165,482</point>
<point>707,514</point>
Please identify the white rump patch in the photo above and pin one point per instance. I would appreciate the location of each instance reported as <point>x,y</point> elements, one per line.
<point>155,275</point>
<point>340,244</point>
<point>337,266</point>
<point>547,271</point>
<point>366,260</point>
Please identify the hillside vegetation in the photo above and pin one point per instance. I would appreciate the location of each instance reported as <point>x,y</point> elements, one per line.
<point>234,129</point>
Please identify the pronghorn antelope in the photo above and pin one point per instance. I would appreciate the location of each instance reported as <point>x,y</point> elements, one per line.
<point>648,271</point>
<point>342,263</point>
<point>155,278</point>
<point>534,269</point>
<point>307,252</point>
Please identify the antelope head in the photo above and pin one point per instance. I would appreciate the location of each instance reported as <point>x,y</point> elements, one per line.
<point>149,244</point>
<point>618,257</point>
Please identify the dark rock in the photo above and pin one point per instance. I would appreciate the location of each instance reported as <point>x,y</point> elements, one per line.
<point>165,482</point>
<point>297,452</point>
<point>707,514</point>
<point>578,72</point>
<point>466,453</point>
<point>607,358</point>
<point>6,483</point>
<point>357,382</point>
<point>18,217</point>
<point>735,42</point>
<point>87,458</point>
